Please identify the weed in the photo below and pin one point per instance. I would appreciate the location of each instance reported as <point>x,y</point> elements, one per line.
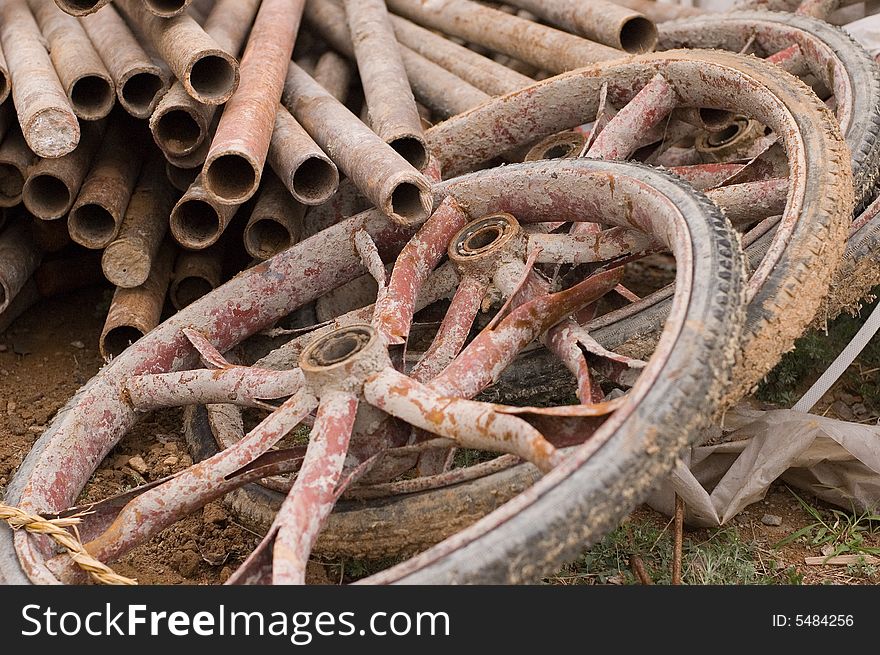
<point>722,558</point>
<point>837,531</point>
<point>862,569</point>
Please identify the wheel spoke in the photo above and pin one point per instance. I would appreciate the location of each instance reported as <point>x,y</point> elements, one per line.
<point>310,501</point>
<point>161,506</point>
<point>791,60</point>
<point>491,351</point>
<point>579,248</point>
<point>454,328</point>
<point>239,385</point>
<point>561,342</point>
<point>470,424</point>
<point>750,202</point>
<point>393,314</point>
<point>624,132</point>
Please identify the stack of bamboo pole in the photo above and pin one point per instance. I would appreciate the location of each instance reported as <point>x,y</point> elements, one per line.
<point>151,144</point>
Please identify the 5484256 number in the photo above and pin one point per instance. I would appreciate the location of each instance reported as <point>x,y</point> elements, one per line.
<point>824,620</point>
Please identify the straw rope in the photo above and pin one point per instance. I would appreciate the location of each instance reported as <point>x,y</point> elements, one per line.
<point>57,530</point>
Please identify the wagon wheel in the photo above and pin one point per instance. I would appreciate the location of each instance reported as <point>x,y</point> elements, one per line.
<point>814,51</point>
<point>792,200</point>
<point>365,405</point>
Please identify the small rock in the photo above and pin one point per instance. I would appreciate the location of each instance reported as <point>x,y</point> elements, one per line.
<point>225,573</point>
<point>860,410</point>
<point>171,447</point>
<point>185,562</point>
<point>771,519</point>
<point>171,460</point>
<point>3,347</point>
<point>16,426</point>
<point>138,464</point>
<point>78,344</point>
<point>842,410</point>
<point>20,348</point>
<point>848,398</point>
<point>10,407</point>
<point>37,429</point>
<point>214,514</point>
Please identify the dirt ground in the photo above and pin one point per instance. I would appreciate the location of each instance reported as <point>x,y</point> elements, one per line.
<point>51,351</point>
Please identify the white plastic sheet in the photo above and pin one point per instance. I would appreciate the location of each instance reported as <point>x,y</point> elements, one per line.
<point>836,461</point>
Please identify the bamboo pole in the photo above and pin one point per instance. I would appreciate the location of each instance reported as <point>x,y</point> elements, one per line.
<point>52,185</point>
<point>381,174</point>
<point>238,152</point>
<point>544,47</point>
<point>82,74</point>
<point>47,120</point>
<point>97,214</point>
<point>166,8</point>
<point>195,275</point>
<point>310,176</point>
<point>209,74</point>
<point>5,81</point>
<point>135,312</point>
<point>275,224</point>
<point>181,178</point>
<point>16,159</point>
<point>198,220</point>
<point>81,7</point>
<point>485,74</point>
<point>599,20</point>
<point>127,261</point>
<point>334,74</point>
<point>390,102</point>
<point>180,122</point>
<point>19,258</point>
<point>139,81</point>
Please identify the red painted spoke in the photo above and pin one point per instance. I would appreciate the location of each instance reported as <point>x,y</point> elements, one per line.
<point>623,133</point>
<point>560,342</point>
<point>310,501</point>
<point>239,385</point>
<point>491,351</point>
<point>707,176</point>
<point>209,354</point>
<point>370,257</point>
<point>748,203</point>
<point>454,328</point>
<point>625,293</point>
<point>791,60</point>
<point>580,248</point>
<point>470,424</point>
<point>394,313</point>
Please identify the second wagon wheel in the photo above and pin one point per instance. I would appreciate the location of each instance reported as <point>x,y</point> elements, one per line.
<point>815,51</point>
<point>792,198</point>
